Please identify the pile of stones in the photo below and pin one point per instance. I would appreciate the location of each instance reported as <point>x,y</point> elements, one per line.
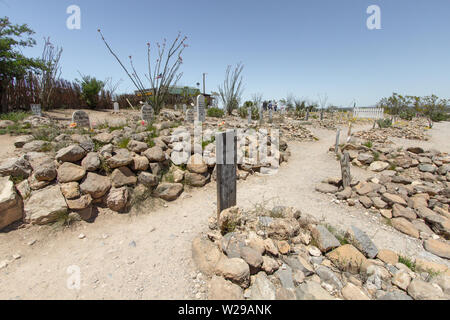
<point>80,170</point>
<point>412,130</point>
<point>284,254</point>
<point>411,190</point>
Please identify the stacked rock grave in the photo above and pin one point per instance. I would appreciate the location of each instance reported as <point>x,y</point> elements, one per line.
<point>410,191</point>
<point>81,169</point>
<point>285,254</point>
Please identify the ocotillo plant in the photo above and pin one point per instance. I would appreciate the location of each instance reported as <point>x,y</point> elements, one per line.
<point>162,73</point>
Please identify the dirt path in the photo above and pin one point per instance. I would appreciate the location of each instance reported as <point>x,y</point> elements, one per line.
<point>6,146</point>
<point>148,256</point>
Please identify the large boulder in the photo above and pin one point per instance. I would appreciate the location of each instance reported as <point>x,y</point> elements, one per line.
<point>95,185</point>
<point>282,228</point>
<point>404,212</point>
<point>45,206</point>
<point>236,270</point>
<point>221,289</point>
<point>347,258</point>
<point>253,258</point>
<point>117,199</point>
<point>421,290</point>
<point>91,162</point>
<point>70,190</point>
<point>103,137</point>
<point>148,179</point>
<point>393,199</point>
<point>362,242</point>
<point>439,248</point>
<point>169,191</point>
<point>123,176</point>
<point>262,288</point>
<point>36,145</point>
<point>195,179</point>
<point>15,167</point>
<point>378,166</point>
<point>121,158</point>
<point>81,203</point>
<point>137,146</point>
<point>352,292</point>
<point>20,141</point>
<point>139,163</point>
<point>69,172</point>
<point>403,225</point>
<point>72,153</point>
<point>326,188</point>
<point>206,255</point>
<point>10,203</point>
<point>388,256</point>
<point>196,164</point>
<point>229,219</point>
<point>46,171</point>
<point>312,290</point>
<point>439,224</point>
<point>155,154</point>
<point>325,240</point>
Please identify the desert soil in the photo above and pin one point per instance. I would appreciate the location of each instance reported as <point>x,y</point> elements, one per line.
<point>147,254</point>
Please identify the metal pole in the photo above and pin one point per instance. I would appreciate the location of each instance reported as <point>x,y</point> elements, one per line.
<point>204,75</point>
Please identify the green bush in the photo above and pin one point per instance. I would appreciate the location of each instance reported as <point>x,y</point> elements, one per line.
<point>439,116</point>
<point>384,123</point>
<point>14,116</point>
<point>407,114</point>
<point>215,112</point>
<point>90,89</point>
<point>243,112</point>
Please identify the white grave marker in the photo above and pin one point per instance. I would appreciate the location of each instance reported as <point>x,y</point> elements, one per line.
<point>116,106</point>
<point>147,113</point>
<point>36,110</point>
<point>81,118</point>
<point>201,115</point>
<point>190,116</point>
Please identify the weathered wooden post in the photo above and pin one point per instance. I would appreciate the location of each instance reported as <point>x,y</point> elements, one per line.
<point>338,136</point>
<point>345,170</point>
<point>249,115</point>
<point>226,165</point>
<point>307,115</point>
<point>349,132</point>
<point>321,114</point>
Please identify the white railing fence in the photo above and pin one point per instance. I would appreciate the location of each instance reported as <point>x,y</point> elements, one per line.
<point>368,113</point>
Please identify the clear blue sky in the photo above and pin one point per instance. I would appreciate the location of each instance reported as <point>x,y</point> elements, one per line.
<point>301,47</point>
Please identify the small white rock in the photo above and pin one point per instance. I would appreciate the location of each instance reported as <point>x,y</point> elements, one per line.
<point>81,236</point>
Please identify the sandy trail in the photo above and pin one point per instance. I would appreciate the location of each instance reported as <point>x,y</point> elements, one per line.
<point>148,255</point>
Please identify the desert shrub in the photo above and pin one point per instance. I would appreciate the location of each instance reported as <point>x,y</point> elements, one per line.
<point>439,116</point>
<point>215,112</point>
<point>407,114</point>
<point>90,89</point>
<point>384,123</point>
<point>14,116</point>
<point>45,133</point>
<point>368,144</point>
<point>243,112</point>
<point>123,143</point>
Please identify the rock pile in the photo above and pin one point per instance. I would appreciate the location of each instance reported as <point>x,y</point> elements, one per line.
<point>285,254</point>
<point>411,190</point>
<point>412,130</point>
<point>81,169</point>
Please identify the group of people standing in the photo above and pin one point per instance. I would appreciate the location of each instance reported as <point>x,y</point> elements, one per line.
<point>271,105</point>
